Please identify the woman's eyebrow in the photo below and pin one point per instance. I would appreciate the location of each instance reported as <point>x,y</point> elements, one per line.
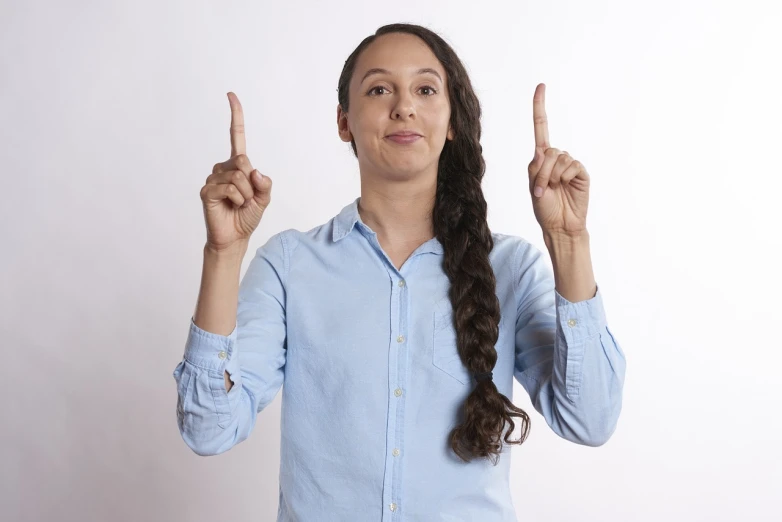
<point>378,70</point>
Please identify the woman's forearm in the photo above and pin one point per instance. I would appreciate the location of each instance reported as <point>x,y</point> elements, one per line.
<point>219,294</point>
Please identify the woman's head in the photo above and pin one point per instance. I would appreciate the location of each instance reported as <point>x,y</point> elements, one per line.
<point>397,84</point>
<point>451,153</point>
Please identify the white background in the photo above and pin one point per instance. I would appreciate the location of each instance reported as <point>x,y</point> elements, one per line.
<point>113,113</point>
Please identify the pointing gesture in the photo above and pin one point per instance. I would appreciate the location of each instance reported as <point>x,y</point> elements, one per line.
<point>540,119</point>
<point>559,185</point>
<point>235,195</point>
<point>237,127</point>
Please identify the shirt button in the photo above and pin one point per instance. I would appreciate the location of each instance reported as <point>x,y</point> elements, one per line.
<point>396,452</point>
<point>398,392</point>
<point>400,339</point>
<point>392,506</point>
<point>221,355</point>
<point>571,323</point>
<point>402,282</point>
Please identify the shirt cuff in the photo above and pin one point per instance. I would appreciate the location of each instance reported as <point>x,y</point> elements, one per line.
<point>209,350</point>
<point>582,320</point>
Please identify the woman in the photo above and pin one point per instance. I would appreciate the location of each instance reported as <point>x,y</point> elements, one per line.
<point>398,326</point>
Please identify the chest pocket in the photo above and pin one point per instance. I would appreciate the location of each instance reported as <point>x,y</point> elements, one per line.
<point>445,354</point>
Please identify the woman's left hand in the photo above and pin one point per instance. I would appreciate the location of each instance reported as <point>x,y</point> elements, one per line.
<point>562,207</point>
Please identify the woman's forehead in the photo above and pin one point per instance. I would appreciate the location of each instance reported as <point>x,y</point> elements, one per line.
<point>399,55</point>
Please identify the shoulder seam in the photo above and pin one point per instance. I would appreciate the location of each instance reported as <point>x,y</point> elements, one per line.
<point>285,257</point>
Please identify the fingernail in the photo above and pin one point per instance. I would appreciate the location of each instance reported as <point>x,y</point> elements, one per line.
<point>538,191</point>
<point>258,176</point>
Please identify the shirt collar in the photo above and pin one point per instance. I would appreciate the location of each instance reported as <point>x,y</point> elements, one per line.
<point>349,217</point>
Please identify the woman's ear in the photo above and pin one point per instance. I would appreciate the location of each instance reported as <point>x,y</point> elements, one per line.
<point>450,133</point>
<point>342,125</point>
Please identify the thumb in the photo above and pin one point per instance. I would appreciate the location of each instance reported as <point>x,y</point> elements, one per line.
<point>257,179</point>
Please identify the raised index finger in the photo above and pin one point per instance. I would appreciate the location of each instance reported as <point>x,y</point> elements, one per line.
<point>539,117</point>
<point>237,126</point>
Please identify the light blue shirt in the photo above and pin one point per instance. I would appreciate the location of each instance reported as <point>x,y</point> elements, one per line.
<point>373,382</point>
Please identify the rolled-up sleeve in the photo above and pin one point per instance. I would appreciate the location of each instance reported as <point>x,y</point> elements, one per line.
<point>566,357</point>
<point>212,420</point>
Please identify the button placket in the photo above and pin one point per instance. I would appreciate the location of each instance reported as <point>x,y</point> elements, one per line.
<point>398,391</point>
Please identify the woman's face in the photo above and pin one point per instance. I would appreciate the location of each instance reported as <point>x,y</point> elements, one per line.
<point>411,95</point>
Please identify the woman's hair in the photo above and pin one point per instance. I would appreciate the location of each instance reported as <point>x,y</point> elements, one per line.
<point>459,220</point>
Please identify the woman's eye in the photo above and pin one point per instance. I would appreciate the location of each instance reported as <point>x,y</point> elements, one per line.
<point>374,89</point>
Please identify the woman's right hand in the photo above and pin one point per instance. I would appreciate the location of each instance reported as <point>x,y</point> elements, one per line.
<point>234,198</point>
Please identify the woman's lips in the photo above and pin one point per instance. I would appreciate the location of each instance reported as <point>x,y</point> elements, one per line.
<point>411,138</point>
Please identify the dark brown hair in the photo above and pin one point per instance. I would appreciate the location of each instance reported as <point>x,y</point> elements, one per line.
<point>459,221</point>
